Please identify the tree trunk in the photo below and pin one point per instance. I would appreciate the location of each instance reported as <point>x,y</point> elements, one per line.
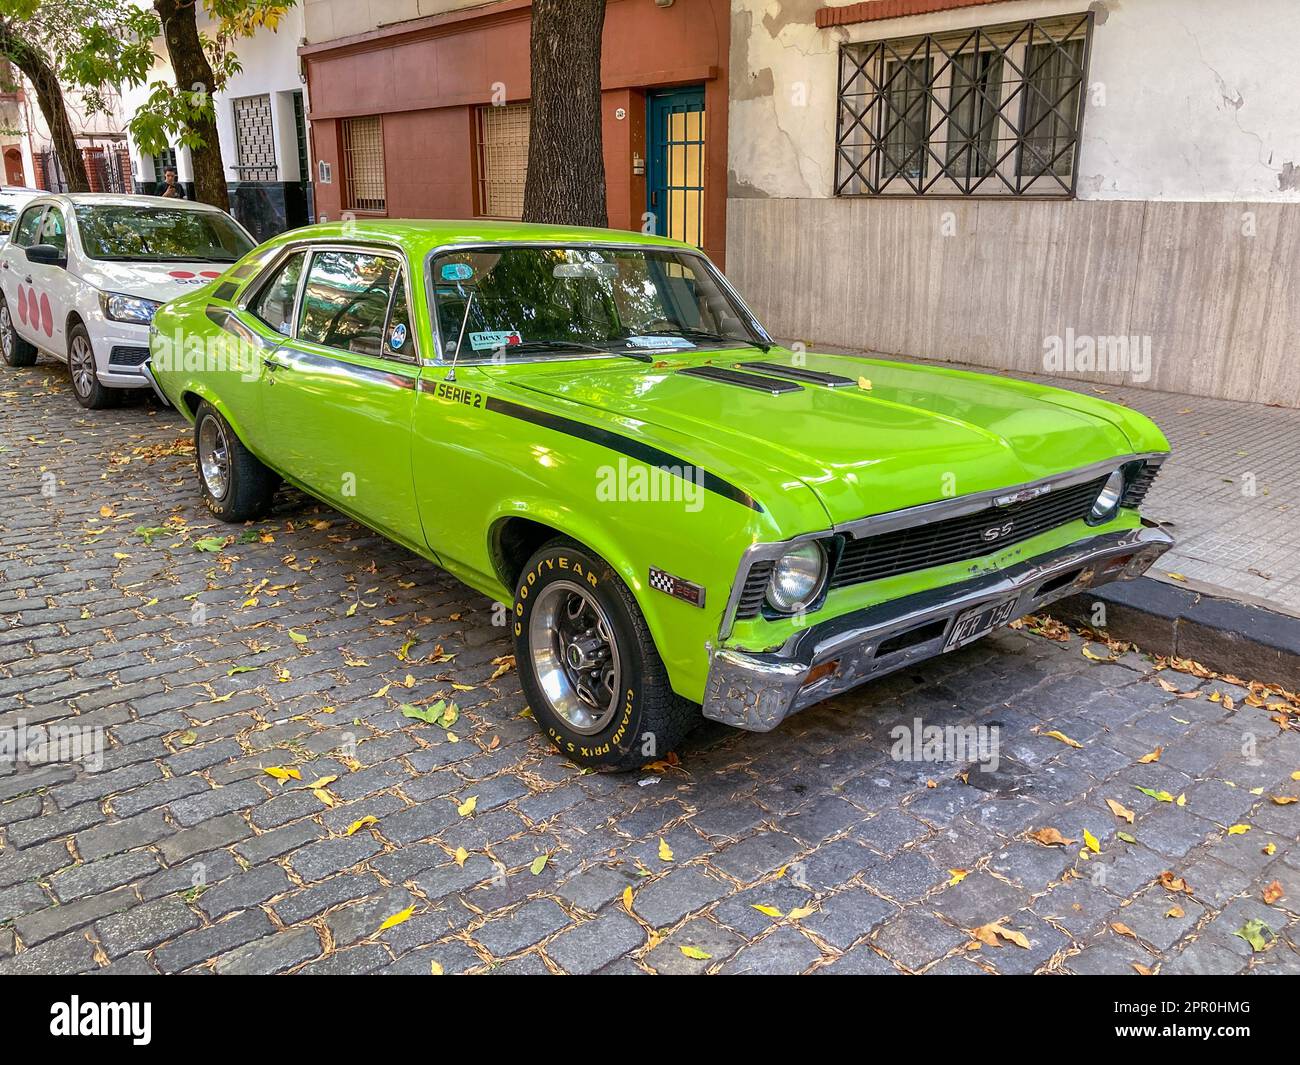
<point>193,72</point>
<point>566,163</point>
<point>49,95</point>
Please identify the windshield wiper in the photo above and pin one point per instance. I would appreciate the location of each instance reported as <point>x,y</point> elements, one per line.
<point>577,345</point>
<point>703,334</point>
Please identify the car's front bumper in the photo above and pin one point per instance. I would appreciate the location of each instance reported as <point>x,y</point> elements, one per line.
<point>758,690</point>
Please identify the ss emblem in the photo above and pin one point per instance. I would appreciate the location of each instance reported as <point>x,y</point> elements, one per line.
<point>997,532</point>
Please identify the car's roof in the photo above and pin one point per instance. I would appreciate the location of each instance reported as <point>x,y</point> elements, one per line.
<point>423,234</point>
<point>117,199</point>
<point>20,190</point>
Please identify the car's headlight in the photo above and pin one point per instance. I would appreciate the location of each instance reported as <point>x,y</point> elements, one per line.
<point>797,578</point>
<point>122,308</point>
<point>1108,499</point>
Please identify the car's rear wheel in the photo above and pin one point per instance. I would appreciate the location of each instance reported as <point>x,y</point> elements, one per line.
<point>236,485</point>
<point>589,666</point>
<point>81,366</point>
<point>17,352</point>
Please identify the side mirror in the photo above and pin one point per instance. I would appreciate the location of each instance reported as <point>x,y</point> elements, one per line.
<point>47,255</point>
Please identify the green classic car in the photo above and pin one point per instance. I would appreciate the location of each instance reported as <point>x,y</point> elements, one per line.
<point>683,517</point>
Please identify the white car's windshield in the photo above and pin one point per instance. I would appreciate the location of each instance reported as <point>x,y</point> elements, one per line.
<point>129,233</point>
<point>509,302</point>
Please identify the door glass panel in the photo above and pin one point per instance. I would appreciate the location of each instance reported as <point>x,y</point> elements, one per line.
<point>345,301</point>
<point>274,304</point>
<point>676,157</point>
<point>53,232</point>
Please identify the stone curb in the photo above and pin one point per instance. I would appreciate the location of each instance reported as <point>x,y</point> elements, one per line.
<point>1228,636</point>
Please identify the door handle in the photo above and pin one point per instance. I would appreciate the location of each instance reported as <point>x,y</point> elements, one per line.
<point>273,364</point>
<point>28,279</point>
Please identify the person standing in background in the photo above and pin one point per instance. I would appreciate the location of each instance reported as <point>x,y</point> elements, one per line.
<point>171,187</point>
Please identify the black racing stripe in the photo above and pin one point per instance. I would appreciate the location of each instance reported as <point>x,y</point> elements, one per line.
<point>745,380</point>
<point>800,373</point>
<point>635,449</point>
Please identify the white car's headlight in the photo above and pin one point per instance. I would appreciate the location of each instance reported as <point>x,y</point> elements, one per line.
<point>797,578</point>
<point>122,308</point>
<point>1108,499</point>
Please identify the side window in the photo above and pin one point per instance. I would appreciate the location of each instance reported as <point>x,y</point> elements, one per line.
<point>274,304</point>
<point>399,337</point>
<point>345,300</point>
<point>25,232</point>
<point>53,231</point>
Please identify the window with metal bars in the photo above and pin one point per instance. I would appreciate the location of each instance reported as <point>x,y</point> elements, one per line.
<point>363,164</point>
<point>991,111</point>
<point>503,159</point>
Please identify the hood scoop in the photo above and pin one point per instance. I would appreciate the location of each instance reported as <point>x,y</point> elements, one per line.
<point>720,374</point>
<point>800,373</point>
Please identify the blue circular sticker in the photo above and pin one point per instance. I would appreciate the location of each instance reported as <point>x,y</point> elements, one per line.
<point>457,271</point>
<point>397,336</point>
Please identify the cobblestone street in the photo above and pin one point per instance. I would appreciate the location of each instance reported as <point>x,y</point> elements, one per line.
<point>382,843</point>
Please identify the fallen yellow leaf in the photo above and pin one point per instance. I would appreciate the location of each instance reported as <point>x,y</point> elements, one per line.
<point>695,953</point>
<point>467,807</point>
<point>770,911</point>
<point>1119,810</point>
<point>1154,756</point>
<point>397,918</point>
<point>357,826</point>
<point>1091,842</point>
<point>665,851</point>
<point>1063,738</point>
<point>1238,830</point>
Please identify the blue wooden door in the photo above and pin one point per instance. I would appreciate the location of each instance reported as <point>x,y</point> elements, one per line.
<point>675,163</point>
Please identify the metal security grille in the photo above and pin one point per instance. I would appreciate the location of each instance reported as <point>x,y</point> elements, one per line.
<point>503,159</point>
<point>991,111</point>
<point>363,164</point>
<point>959,539</point>
<point>254,138</point>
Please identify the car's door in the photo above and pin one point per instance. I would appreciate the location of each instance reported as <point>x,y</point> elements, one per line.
<point>17,279</point>
<point>340,393</point>
<point>56,286</point>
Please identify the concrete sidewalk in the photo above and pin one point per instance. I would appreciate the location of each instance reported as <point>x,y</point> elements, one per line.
<point>1230,492</point>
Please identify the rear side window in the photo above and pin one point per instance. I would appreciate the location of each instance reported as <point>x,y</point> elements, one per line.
<point>345,301</point>
<point>53,231</point>
<point>274,304</point>
<point>24,235</point>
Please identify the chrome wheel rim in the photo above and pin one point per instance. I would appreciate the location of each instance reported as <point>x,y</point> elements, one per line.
<point>6,331</point>
<point>575,657</point>
<point>214,457</point>
<point>82,365</point>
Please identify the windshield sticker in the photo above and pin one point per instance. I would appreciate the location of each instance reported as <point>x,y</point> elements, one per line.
<point>489,340</point>
<point>397,336</point>
<point>676,343</point>
<point>457,271</point>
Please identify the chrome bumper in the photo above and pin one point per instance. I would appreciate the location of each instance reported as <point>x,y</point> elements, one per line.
<point>147,371</point>
<point>759,690</point>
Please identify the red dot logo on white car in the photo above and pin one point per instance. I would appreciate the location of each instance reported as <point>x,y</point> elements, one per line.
<point>47,314</point>
<point>22,304</point>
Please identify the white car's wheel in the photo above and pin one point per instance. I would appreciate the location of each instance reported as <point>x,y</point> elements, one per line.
<point>16,351</point>
<point>81,365</point>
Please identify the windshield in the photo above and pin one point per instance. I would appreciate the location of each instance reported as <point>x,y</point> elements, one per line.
<point>129,233</point>
<point>508,302</point>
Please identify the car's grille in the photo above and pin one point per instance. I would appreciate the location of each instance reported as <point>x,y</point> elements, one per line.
<point>1137,488</point>
<point>959,539</point>
<point>124,356</point>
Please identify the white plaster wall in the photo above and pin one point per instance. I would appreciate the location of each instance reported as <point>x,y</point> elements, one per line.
<point>328,19</point>
<point>1199,96</point>
<point>270,65</point>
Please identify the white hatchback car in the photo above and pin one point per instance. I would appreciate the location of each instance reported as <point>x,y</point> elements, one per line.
<point>82,274</point>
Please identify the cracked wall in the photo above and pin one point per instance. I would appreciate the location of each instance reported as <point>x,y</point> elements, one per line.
<point>1191,99</point>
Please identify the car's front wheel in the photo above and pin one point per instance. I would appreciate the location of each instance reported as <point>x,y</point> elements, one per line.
<point>17,352</point>
<point>236,485</point>
<point>589,666</point>
<point>81,366</point>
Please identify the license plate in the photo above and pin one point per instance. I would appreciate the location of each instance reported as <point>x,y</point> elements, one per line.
<point>979,620</point>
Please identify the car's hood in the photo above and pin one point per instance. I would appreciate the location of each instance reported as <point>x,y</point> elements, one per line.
<point>900,435</point>
<point>151,281</point>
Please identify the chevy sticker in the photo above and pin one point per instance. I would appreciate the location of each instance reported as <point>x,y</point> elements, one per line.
<point>489,340</point>
<point>397,336</point>
<point>457,271</point>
